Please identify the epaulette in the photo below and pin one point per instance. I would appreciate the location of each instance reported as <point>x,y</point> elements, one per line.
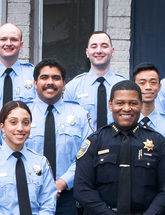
<point>118,74</point>
<point>34,152</point>
<point>80,75</point>
<point>27,64</point>
<point>71,102</point>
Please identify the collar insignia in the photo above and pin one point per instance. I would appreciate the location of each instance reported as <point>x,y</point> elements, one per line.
<point>148,145</point>
<point>115,128</point>
<point>135,129</point>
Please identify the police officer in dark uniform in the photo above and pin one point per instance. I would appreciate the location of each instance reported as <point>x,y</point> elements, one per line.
<point>121,167</point>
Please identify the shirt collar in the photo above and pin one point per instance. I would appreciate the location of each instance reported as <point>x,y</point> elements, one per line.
<point>92,76</point>
<point>117,130</point>
<point>152,117</point>
<point>16,68</point>
<point>42,106</point>
<point>8,151</point>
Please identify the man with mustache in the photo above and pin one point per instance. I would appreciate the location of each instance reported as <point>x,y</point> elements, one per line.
<point>146,75</point>
<point>70,125</point>
<point>20,75</point>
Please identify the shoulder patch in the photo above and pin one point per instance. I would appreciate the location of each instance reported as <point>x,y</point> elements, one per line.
<point>83,149</point>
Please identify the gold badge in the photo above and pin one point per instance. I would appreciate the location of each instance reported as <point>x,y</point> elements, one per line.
<point>148,145</point>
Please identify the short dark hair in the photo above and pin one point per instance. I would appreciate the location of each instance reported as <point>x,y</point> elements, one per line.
<point>144,67</point>
<point>11,105</point>
<point>51,62</point>
<point>126,85</point>
<point>100,32</point>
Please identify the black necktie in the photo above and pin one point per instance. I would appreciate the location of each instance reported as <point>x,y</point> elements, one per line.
<point>101,104</point>
<point>7,89</point>
<point>22,188</point>
<point>145,120</point>
<point>124,184</point>
<point>50,141</point>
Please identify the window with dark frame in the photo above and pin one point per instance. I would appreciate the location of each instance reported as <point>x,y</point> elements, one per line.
<point>67,25</point>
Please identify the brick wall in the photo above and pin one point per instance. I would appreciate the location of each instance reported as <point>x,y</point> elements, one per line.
<point>118,27</point>
<point>18,12</point>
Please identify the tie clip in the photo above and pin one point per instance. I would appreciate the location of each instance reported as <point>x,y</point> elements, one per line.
<point>124,165</point>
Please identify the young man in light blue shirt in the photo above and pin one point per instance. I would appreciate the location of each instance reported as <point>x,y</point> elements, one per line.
<point>146,75</point>
<point>160,99</point>
<point>22,73</point>
<point>83,88</point>
<point>71,129</point>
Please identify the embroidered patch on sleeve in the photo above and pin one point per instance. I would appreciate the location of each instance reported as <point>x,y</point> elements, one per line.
<point>84,148</point>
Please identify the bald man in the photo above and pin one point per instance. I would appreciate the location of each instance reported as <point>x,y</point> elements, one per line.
<point>20,74</point>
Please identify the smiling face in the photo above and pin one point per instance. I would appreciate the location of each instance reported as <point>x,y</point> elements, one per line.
<point>125,107</point>
<point>50,84</point>
<point>16,128</point>
<point>10,42</point>
<point>148,81</point>
<point>99,51</point>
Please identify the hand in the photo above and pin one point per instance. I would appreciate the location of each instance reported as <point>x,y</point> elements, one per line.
<point>61,185</point>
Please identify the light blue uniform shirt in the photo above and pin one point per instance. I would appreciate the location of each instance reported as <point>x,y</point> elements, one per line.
<point>83,89</point>
<point>160,99</point>
<point>72,128</point>
<point>22,80</point>
<point>42,188</point>
<point>157,121</point>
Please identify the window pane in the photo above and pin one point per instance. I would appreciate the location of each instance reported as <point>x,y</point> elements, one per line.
<point>66,28</point>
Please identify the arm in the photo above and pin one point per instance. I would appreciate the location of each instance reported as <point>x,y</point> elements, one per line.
<point>66,180</point>
<point>157,206</point>
<point>85,191</point>
<point>48,192</point>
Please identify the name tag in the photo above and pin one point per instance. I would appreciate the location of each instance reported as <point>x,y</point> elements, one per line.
<point>3,174</point>
<point>103,151</point>
<point>83,95</point>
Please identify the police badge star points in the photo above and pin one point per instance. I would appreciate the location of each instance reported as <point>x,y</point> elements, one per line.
<point>148,145</point>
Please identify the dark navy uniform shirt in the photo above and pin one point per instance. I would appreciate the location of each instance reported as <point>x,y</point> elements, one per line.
<point>96,179</point>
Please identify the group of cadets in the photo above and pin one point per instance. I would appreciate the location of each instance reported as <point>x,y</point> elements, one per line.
<point>74,108</point>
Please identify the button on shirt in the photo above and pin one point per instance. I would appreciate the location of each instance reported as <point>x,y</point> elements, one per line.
<point>72,129</point>
<point>41,186</point>
<point>157,121</point>
<point>22,81</point>
<point>83,89</point>
<point>160,99</point>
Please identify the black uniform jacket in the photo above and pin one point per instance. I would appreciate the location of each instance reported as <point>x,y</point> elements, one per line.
<point>96,178</point>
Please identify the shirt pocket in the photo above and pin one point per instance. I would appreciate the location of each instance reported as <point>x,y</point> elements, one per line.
<point>25,95</point>
<point>87,102</point>
<point>145,168</point>
<point>7,190</point>
<point>69,139</point>
<point>106,170</point>
<point>34,182</point>
<point>36,140</point>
